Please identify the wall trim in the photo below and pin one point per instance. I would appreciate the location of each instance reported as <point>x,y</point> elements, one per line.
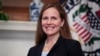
<point>18,25</point>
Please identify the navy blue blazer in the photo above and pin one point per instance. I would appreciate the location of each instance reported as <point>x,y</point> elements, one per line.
<point>63,47</point>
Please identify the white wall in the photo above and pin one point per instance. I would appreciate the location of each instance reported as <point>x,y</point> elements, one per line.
<point>15,43</point>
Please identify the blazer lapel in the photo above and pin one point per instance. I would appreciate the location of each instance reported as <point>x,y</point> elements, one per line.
<point>39,50</point>
<point>40,47</point>
<point>59,41</point>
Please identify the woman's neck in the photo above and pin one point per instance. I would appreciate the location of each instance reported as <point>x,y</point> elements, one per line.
<point>52,38</point>
<point>50,41</point>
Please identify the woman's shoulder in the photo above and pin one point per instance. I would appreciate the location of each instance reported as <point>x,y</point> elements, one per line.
<point>35,47</point>
<point>70,42</point>
<point>73,47</point>
<point>32,50</point>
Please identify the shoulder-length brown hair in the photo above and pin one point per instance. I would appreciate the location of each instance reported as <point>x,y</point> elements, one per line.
<point>65,32</point>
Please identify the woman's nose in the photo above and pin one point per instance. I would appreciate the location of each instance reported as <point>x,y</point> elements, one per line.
<point>49,21</point>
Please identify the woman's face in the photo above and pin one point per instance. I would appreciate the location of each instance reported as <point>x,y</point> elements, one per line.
<point>51,21</point>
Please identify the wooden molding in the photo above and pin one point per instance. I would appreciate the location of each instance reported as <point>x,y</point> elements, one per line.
<point>18,25</point>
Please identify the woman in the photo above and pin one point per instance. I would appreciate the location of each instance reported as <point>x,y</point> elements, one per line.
<point>53,35</point>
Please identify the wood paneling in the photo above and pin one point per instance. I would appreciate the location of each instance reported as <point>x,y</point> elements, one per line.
<point>19,9</point>
<point>49,1</point>
<point>17,13</point>
<point>16,3</point>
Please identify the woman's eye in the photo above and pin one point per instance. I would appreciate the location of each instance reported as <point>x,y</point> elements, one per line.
<point>54,18</point>
<point>44,18</point>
